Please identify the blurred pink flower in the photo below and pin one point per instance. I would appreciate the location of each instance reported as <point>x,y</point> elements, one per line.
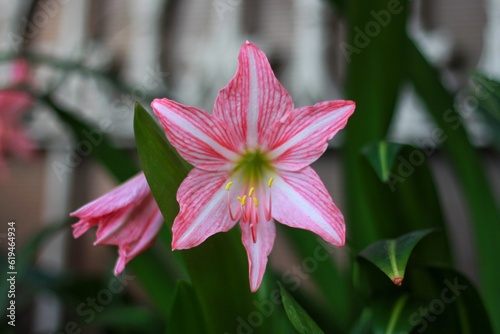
<point>127,217</point>
<point>13,104</point>
<point>251,158</point>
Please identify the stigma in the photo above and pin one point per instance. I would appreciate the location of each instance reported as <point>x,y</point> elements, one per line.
<point>254,205</point>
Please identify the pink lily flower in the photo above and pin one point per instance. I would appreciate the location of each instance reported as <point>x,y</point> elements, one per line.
<point>13,104</point>
<point>251,158</point>
<point>127,217</point>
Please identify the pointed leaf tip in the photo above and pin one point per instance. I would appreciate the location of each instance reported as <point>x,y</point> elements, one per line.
<point>381,156</point>
<point>391,255</point>
<point>398,281</point>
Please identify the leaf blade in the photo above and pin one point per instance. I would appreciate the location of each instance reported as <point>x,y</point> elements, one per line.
<point>299,318</point>
<point>391,255</point>
<point>185,314</point>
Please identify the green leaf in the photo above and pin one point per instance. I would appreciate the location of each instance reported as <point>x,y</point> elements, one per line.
<point>477,188</point>
<point>186,315</point>
<point>391,313</point>
<point>163,167</point>
<point>413,188</point>
<point>391,255</point>
<point>381,156</point>
<point>489,102</point>
<point>218,268</point>
<point>155,276</point>
<point>299,318</point>
<point>334,307</point>
<point>364,323</point>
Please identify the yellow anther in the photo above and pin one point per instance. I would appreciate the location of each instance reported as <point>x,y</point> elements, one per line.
<point>250,193</point>
<point>239,199</point>
<point>270,182</point>
<point>255,202</point>
<point>228,186</point>
<point>243,200</point>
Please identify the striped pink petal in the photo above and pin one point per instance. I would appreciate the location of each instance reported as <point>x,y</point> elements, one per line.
<point>143,225</point>
<point>106,223</point>
<point>259,250</point>
<point>195,136</point>
<point>126,225</point>
<point>127,217</point>
<point>301,200</point>
<point>119,198</point>
<point>202,197</point>
<point>301,137</point>
<point>253,100</point>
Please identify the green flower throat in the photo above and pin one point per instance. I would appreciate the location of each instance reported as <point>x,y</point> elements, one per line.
<point>253,166</point>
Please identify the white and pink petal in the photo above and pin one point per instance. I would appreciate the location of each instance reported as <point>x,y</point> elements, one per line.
<point>123,196</point>
<point>132,226</point>
<point>253,100</point>
<point>204,211</point>
<point>259,250</point>
<point>143,225</point>
<point>196,137</point>
<point>80,227</point>
<point>302,135</point>
<point>300,200</point>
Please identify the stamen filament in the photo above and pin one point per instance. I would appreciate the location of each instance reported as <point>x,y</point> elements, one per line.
<point>268,210</point>
<point>253,225</point>
<point>249,213</point>
<point>234,217</point>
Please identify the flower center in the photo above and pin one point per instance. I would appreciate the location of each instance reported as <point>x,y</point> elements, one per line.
<point>252,166</point>
<point>254,198</point>
<point>250,210</point>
